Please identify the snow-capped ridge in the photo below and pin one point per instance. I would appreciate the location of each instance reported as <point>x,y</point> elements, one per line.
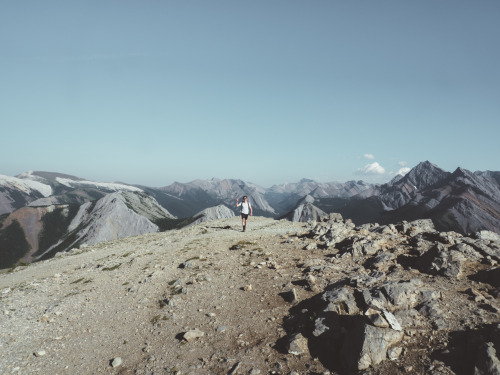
<point>26,185</point>
<point>98,185</point>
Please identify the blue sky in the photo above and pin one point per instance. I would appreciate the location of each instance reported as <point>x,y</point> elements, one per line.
<point>152,92</point>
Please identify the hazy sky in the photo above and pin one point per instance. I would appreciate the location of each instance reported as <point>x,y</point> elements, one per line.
<point>152,92</point>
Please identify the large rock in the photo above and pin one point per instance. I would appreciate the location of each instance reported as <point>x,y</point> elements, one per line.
<point>366,345</point>
<point>340,300</point>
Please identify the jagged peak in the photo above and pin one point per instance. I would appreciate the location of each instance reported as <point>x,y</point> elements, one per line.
<point>462,172</point>
<point>423,175</point>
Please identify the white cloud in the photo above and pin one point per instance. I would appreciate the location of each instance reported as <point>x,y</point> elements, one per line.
<point>403,171</point>
<point>402,164</point>
<point>371,169</point>
<point>369,156</point>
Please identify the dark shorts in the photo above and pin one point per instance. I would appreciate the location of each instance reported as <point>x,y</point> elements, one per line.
<point>244,216</point>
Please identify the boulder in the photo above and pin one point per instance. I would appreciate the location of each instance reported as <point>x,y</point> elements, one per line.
<point>340,300</point>
<point>366,345</point>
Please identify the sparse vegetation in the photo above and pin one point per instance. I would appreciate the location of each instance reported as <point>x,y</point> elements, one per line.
<point>112,268</point>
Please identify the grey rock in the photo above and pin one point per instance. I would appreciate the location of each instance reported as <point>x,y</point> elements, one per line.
<point>410,318</point>
<point>234,369</point>
<point>468,251</point>
<point>297,344</point>
<point>485,248</point>
<point>487,235</point>
<point>487,362</point>
<point>375,298</point>
<point>403,295</point>
<point>376,318</point>
<point>382,261</point>
<point>367,346</point>
<point>340,300</point>
<point>116,362</point>
<point>311,246</point>
<point>394,352</point>
<point>192,335</point>
<point>433,311</point>
<point>391,319</point>
<point>320,328</point>
<point>221,329</point>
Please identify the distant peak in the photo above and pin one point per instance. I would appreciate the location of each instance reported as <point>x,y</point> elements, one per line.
<point>461,172</point>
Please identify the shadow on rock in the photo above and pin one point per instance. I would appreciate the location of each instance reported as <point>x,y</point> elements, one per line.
<point>472,351</point>
<point>337,341</point>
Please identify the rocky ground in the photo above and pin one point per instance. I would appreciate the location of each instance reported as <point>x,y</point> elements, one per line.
<point>281,298</point>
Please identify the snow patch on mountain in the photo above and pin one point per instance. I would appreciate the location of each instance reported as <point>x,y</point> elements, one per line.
<point>98,185</point>
<point>26,186</point>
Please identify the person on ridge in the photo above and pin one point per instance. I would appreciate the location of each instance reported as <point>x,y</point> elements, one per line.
<point>246,208</point>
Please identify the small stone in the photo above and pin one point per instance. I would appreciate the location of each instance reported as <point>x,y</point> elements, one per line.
<point>247,288</point>
<point>221,329</point>
<point>391,319</point>
<point>376,318</point>
<point>40,353</point>
<point>394,353</point>
<point>116,362</point>
<point>311,246</point>
<point>290,296</point>
<point>193,335</point>
<point>235,368</point>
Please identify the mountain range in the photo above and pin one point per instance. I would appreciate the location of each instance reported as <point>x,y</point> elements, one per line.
<point>43,213</point>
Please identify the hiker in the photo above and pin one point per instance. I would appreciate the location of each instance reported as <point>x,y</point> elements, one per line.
<point>246,208</point>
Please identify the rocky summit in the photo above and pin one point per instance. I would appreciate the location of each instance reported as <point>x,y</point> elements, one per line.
<point>322,297</point>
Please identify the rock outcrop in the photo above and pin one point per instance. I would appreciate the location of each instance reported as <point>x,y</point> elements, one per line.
<point>305,211</point>
<point>212,213</point>
<point>409,283</point>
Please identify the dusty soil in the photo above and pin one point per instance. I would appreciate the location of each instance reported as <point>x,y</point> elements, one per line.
<point>134,298</point>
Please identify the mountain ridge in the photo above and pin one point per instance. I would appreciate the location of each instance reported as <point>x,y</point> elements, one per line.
<point>461,201</point>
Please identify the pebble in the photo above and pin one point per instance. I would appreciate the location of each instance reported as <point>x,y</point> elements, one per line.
<point>192,335</point>
<point>221,329</point>
<point>116,362</point>
<point>40,353</point>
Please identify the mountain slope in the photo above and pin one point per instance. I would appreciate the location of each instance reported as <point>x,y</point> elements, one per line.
<point>305,211</point>
<point>208,193</point>
<point>464,202</point>
<point>16,193</point>
<point>55,228</point>
<point>212,213</point>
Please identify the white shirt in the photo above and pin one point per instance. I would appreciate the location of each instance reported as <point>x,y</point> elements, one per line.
<point>245,207</point>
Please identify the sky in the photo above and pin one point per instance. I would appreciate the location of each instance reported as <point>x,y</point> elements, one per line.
<point>152,92</point>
